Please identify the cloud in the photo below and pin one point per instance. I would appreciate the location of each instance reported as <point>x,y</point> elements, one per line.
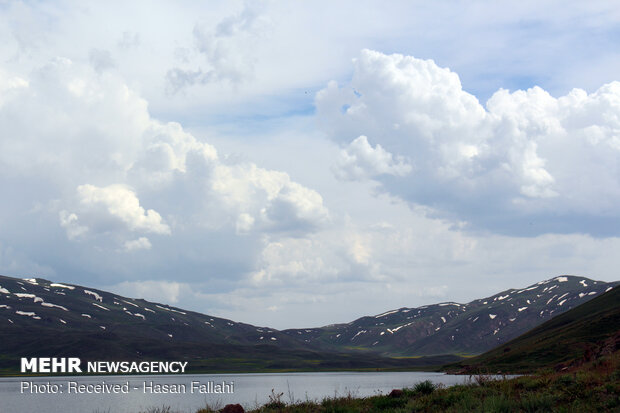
<point>525,164</point>
<point>85,102</point>
<point>10,86</point>
<point>15,263</point>
<point>268,200</point>
<point>141,243</point>
<point>226,50</point>
<point>101,59</point>
<point>359,160</point>
<point>166,292</point>
<point>69,221</point>
<point>129,40</point>
<point>295,260</point>
<point>113,178</point>
<point>123,204</point>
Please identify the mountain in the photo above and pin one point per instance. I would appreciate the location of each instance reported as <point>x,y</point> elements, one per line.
<point>44,318</point>
<point>38,303</point>
<point>453,328</point>
<point>580,335</point>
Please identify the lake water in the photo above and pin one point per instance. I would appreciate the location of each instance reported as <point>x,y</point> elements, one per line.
<point>137,393</point>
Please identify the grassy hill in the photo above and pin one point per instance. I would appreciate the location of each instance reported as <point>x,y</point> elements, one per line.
<point>593,387</point>
<point>582,334</point>
<point>42,318</point>
<point>457,328</point>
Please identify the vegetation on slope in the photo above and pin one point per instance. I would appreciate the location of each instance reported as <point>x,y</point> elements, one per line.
<point>579,335</point>
<point>43,318</point>
<point>576,354</point>
<point>452,328</point>
<point>593,387</point>
<point>40,318</point>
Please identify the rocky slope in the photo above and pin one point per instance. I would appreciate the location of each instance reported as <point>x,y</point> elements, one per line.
<point>584,334</point>
<point>43,318</point>
<point>454,328</point>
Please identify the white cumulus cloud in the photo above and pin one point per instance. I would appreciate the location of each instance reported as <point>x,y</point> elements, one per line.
<point>109,174</point>
<point>526,163</point>
<point>141,243</point>
<point>360,160</point>
<point>122,203</point>
<point>69,221</point>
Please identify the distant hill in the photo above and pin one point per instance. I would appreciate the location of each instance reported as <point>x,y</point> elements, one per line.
<point>582,334</point>
<point>44,318</point>
<point>41,318</point>
<point>453,328</point>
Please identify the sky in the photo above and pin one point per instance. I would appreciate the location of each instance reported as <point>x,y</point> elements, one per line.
<point>297,164</point>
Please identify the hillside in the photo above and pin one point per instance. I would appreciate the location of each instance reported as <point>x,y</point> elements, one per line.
<point>580,335</point>
<point>453,328</point>
<point>592,387</point>
<point>44,318</point>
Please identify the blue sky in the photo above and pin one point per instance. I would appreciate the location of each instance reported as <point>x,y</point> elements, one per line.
<point>268,161</point>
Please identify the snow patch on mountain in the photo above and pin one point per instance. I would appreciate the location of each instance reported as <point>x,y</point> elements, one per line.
<point>44,304</point>
<point>100,306</point>
<point>58,285</point>
<point>386,313</point>
<point>95,295</point>
<point>170,309</point>
<point>28,313</point>
<point>358,333</point>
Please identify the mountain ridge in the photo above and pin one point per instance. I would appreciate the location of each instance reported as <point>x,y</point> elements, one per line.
<point>40,317</point>
<point>581,335</point>
<point>438,328</point>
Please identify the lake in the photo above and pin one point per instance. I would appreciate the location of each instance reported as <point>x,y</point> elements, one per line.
<point>187,393</point>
